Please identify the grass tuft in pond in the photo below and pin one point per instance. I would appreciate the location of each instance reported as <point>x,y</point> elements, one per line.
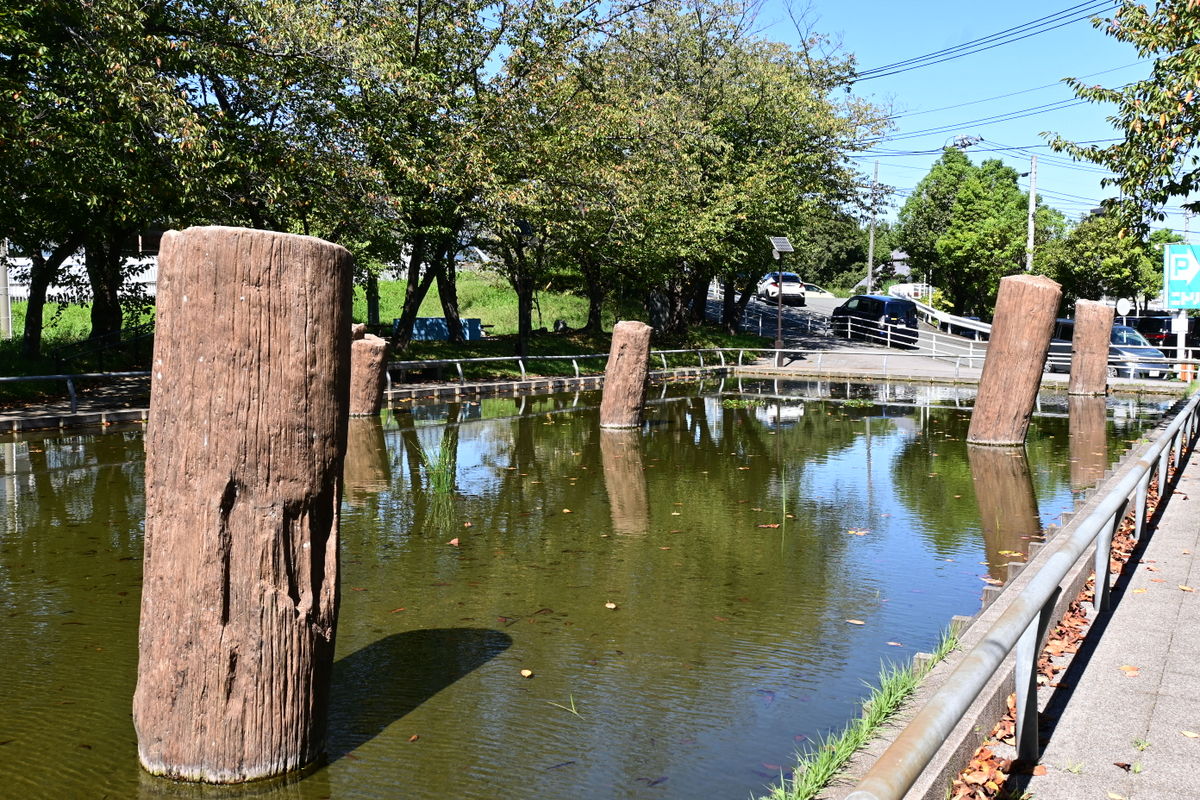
<point>814,770</point>
<point>439,470</point>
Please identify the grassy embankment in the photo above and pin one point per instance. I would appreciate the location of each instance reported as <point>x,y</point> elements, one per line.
<point>816,768</point>
<point>481,294</point>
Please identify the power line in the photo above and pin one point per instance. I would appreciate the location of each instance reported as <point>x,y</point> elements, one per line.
<point>1008,116</point>
<point>1013,94</point>
<point>1007,36</point>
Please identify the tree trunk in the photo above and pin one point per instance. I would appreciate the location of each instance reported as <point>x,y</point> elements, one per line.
<point>447,278</point>
<point>372,292</point>
<point>415,290</point>
<point>596,293</point>
<point>524,288</point>
<point>42,273</point>
<point>244,455</point>
<point>103,262</point>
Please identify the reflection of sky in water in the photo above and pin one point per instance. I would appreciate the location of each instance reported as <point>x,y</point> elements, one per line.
<point>730,647</point>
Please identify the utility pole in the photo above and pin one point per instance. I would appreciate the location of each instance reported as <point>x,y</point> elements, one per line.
<point>871,240</point>
<point>1032,210</point>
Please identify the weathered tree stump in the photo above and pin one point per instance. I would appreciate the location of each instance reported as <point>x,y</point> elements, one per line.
<point>625,480</point>
<point>1087,429</point>
<point>244,450</point>
<point>1012,371</point>
<point>625,375</point>
<point>1008,509</point>
<point>368,357</point>
<point>1089,348</point>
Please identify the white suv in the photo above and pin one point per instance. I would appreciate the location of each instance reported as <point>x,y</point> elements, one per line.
<point>771,284</point>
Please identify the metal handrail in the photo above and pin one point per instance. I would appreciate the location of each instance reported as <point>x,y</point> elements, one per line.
<point>1023,625</point>
<point>70,379</point>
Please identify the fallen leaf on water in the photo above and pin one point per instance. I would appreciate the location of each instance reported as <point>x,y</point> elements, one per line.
<point>566,511</point>
<point>610,604</point>
<point>895,644</point>
<point>676,513</point>
<point>991,581</point>
<point>453,542</point>
<point>743,468</point>
<point>526,673</point>
<point>664,548</point>
<point>720,619</point>
<point>770,525</point>
<point>397,610</point>
<point>1191,734</point>
<point>355,588</point>
<point>1183,588</point>
<point>414,737</point>
<point>856,622</point>
<point>467,524</point>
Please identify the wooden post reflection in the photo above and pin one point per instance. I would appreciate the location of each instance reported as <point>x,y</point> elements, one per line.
<point>1089,441</point>
<point>1007,505</point>
<point>625,480</point>
<point>367,469</point>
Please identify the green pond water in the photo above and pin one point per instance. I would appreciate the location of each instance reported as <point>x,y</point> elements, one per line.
<point>736,535</point>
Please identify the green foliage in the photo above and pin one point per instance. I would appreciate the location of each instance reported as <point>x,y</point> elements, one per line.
<point>1154,161</point>
<point>1095,259</point>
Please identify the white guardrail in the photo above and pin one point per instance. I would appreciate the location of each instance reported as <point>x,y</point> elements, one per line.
<point>1023,624</point>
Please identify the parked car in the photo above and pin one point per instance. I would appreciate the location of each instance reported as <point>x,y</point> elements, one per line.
<point>963,330</point>
<point>812,290</point>
<point>1157,330</point>
<point>876,318</point>
<point>1129,354</point>
<point>769,288</point>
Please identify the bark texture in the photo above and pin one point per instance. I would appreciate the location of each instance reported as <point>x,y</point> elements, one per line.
<point>368,358</point>
<point>625,376</point>
<point>244,452</point>
<point>1012,371</point>
<point>1089,348</point>
<point>1087,427</point>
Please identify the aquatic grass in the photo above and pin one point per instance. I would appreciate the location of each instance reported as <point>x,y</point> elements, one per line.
<point>439,470</point>
<point>571,708</point>
<point>815,769</point>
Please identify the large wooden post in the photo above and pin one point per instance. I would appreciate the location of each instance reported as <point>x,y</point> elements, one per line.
<point>1012,370</point>
<point>244,449</point>
<point>625,376</point>
<point>1089,348</point>
<point>368,358</point>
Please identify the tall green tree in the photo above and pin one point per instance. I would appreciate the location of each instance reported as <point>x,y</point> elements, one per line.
<point>1155,160</point>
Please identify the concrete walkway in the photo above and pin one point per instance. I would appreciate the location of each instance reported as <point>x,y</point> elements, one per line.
<point>1113,731</point>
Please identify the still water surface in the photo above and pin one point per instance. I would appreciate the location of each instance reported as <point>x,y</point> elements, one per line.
<point>736,544</point>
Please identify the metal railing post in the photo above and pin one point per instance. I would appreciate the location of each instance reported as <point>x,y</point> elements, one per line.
<point>721,355</point>
<point>700,355</point>
<point>575,364</point>
<point>663,356</point>
<point>71,392</point>
<point>1027,650</point>
<point>1139,506</point>
<point>521,364</point>
<point>461,377</point>
<point>1101,565</point>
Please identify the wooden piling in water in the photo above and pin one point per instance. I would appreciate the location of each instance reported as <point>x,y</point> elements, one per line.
<point>625,375</point>
<point>244,449</point>
<point>368,359</point>
<point>1089,348</point>
<point>1012,370</point>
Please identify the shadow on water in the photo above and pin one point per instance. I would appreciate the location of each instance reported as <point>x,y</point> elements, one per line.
<point>377,685</point>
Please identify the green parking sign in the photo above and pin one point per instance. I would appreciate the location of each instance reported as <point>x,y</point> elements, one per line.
<point>1181,276</point>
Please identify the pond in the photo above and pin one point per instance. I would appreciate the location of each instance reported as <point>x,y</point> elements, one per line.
<point>696,601</point>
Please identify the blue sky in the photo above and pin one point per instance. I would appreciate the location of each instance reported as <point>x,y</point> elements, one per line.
<point>881,33</point>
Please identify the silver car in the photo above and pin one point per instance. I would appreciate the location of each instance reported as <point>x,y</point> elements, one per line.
<point>1129,354</point>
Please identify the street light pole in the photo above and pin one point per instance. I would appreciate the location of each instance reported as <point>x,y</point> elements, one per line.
<point>871,241</point>
<point>779,246</point>
<point>5,300</point>
<point>1032,211</point>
